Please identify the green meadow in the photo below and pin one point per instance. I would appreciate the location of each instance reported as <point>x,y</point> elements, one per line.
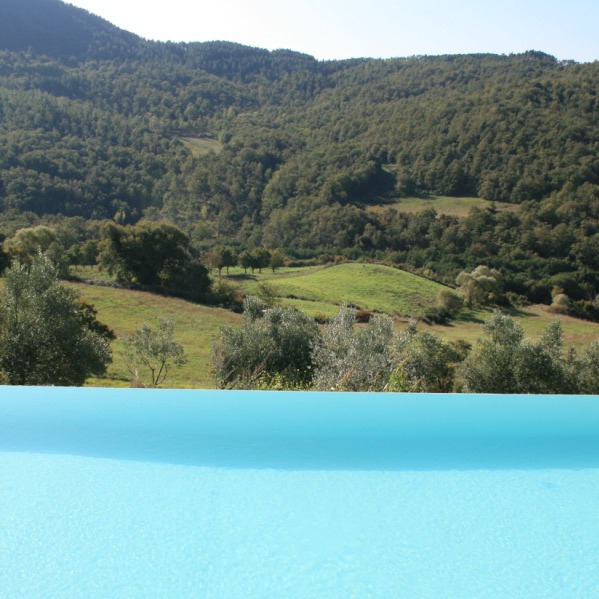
<point>451,206</point>
<point>197,328</point>
<point>368,286</point>
<point>199,146</point>
<point>319,291</point>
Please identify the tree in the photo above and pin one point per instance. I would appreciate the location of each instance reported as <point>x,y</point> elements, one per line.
<point>28,242</point>
<point>154,255</point>
<point>277,259</point>
<point>482,286</point>
<point>504,362</point>
<point>220,257</point>
<point>273,342</point>
<point>152,350</point>
<point>47,337</point>
<point>246,260</point>
<point>587,370</point>
<point>424,363</point>
<point>346,359</point>
<point>261,258</point>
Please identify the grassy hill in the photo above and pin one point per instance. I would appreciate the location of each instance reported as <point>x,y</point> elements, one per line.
<point>368,286</point>
<point>197,328</point>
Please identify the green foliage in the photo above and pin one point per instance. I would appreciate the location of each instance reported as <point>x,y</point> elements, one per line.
<point>483,286</point>
<point>424,363</point>
<point>447,307</point>
<point>153,255</point>
<point>347,359</point>
<point>504,362</point>
<point>97,123</point>
<point>586,370</point>
<point>47,336</point>
<point>154,351</point>
<point>273,344</point>
<point>27,243</point>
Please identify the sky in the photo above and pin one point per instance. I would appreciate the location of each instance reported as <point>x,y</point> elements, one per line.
<point>336,29</point>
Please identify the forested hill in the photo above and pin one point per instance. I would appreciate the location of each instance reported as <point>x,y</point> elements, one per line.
<point>56,29</point>
<point>247,147</point>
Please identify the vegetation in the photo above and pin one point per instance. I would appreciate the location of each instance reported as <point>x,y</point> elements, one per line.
<point>373,357</point>
<point>47,337</point>
<point>152,255</point>
<point>153,350</point>
<point>159,161</point>
<point>244,148</point>
<point>504,362</point>
<point>273,342</point>
<point>368,286</point>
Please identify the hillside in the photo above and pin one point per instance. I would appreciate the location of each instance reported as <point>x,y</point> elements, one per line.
<point>366,286</point>
<point>53,28</point>
<point>198,327</point>
<point>246,147</point>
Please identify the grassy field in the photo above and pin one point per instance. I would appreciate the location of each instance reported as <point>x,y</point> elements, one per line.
<point>443,205</point>
<point>197,328</point>
<point>319,291</point>
<point>368,286</point>
<point>534,320</point>
<point>199,146</point>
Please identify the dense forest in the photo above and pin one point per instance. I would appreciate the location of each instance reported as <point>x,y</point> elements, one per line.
<point>248,148</point>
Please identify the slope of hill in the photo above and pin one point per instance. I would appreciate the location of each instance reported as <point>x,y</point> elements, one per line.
<point>94,123</point>
<point>198,327</point>
<point>53,28</point>
<point>367,286</point>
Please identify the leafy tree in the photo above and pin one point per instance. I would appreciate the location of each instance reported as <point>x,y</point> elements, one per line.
<point>28,242</point>
<point>153,255</point>
<point>261,258</point>
<point>482,286</point>
<point>220,257</point>
<point>587,370</point>
<point>246,260</point>
<point>273,342</point>
<point>346,359</point>
<point>504,362</point>
<point>154,351</point>
<point>47,336</point>
<point>277,259</point>
<point>424,363</point>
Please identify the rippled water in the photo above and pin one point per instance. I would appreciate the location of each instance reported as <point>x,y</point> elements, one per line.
<point>199,495</point>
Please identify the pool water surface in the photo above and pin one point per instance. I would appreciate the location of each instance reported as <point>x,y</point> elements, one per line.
<point>112,494</point>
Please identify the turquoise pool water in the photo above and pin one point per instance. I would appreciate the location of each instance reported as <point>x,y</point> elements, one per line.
<point>129,493</point>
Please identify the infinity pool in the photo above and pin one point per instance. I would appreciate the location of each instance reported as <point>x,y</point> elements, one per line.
<point>134,493</point>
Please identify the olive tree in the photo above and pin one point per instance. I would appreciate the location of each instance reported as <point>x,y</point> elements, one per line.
<point>273,342</point>
<point>47,335</point>
<point>504,362</point>
<point>153,351</point>
<point>424,362</point>
<point>347,358</point>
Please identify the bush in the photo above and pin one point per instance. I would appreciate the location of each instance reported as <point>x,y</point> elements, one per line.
<point>347,359</point>
<point>272,342</point>
<point>47,337</point>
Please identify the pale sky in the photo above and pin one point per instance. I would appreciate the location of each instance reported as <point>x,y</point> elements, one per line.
<point>334,29</point>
